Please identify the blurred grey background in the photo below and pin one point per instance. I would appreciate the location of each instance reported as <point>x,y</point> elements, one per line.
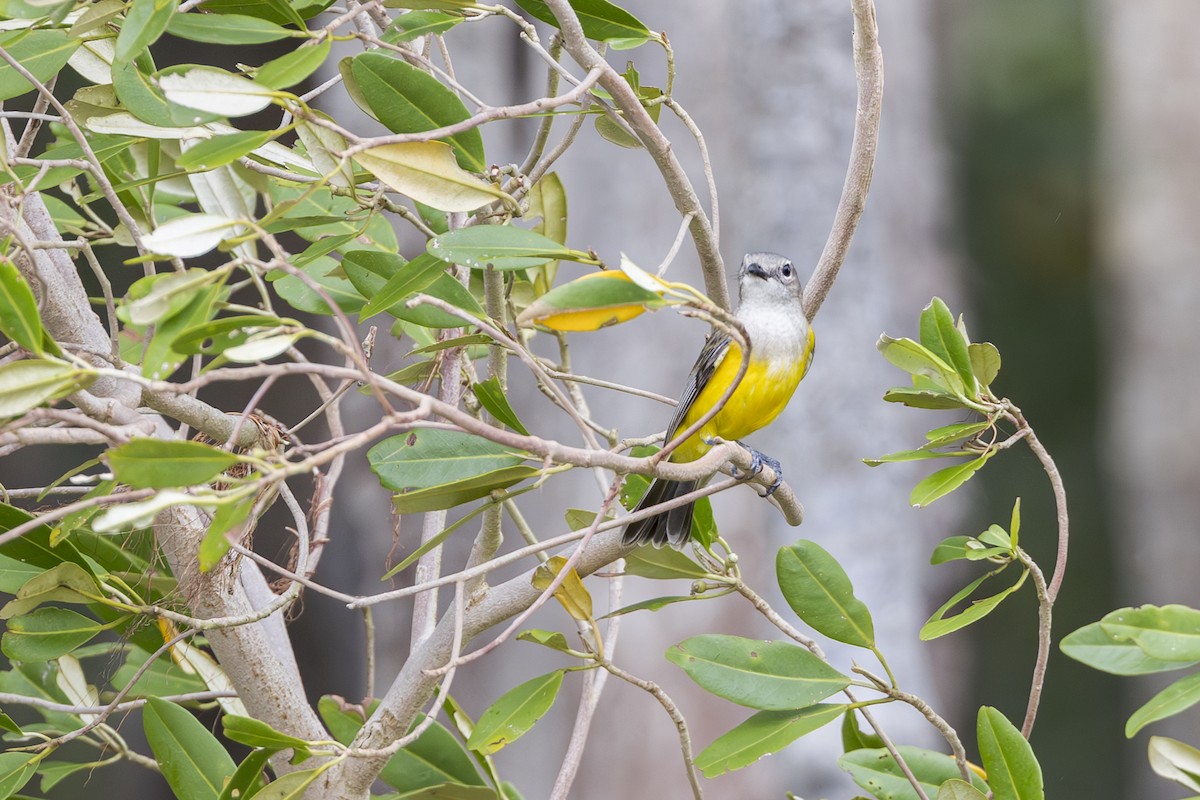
<point>1037,170</point>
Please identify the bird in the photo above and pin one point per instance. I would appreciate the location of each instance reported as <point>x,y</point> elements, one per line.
<point>770,309</point>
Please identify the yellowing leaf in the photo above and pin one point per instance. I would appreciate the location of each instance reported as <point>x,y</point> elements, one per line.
<point>428,173</point>
<point>594,301</point>
<point>574,597</point>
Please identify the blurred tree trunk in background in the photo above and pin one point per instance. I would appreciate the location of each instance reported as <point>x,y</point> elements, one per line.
<point>1151,253</point>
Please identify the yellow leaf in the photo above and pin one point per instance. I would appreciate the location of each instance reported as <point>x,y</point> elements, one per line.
<point>428,173</point>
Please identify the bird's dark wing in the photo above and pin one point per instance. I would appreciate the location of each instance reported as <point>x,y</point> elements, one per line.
<point>706,364</point>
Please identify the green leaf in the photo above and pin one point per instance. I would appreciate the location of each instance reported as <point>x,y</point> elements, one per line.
<point>912,455</point>
<point>653,604</point>
<point>221,150</point>
<point>47,633</point>
<point>1175,761</point>
<point>145,22</point>
<point>281,11</point>
<point>193,762</point>
<point>552,639</point>
<point>492,398</point>
<point>291,68</point>
<point>771,676</point>
<point>215,544</point>
<point>413,25</point>
<point>662,563</point>
<point>1169,633</point>
<point>456,493</point>
<point>1013,771</point>
<point>408,100</point>
<point>300,296</point>
<point>947,434</point>
<point>854,737</point>
<point>504,247</point>
<point>428,173</point>
<point>33,382</point>
<point>985,362</point>
<point>929,398</point>
<point>42,52</point>
<point>426,458</point>
<point>163,677</point>
<point>66,582</point>
<point>248,775</point>
<point>435,758</point>
<point>819,591</point>
<point>144,98</point>
<point>959,790</point>
<point>1180,695</point>
<point>213,337</point>
<point>1092,646</point>
<point>15,771</point>
<point>291,786</point>
<point>161,463</point>
<point>764,733</point>
<point>918,360</point>
<point>510,717</point>
<point>878,773</point>
<point>940,625</point>
<point>255,733</point>
<point>939,334</point>
<point>447,289</point>
<point>19,319</point>
<point>406,280</point>
<point>944,481</point>
<point>953,548</point>
<point>229,29</point>
<point>600,19</point>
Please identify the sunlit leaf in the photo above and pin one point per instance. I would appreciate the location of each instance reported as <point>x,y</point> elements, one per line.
<point>427,172</point>
<point>215,91</point>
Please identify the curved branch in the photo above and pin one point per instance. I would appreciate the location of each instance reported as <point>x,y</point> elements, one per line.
<point>868,67</point>
<point>657,145</point>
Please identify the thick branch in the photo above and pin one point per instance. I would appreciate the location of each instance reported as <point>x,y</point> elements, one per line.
<point>415,684</point>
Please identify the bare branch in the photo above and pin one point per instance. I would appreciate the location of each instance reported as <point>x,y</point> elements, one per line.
<point>868,66</point>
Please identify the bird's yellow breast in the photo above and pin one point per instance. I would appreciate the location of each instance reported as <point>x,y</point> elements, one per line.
<point>763,393</point>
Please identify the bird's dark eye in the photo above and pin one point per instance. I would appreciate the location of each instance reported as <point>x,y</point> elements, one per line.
<point>786,270</point>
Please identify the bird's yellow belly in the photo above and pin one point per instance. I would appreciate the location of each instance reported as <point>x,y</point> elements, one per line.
<point>763,393</point>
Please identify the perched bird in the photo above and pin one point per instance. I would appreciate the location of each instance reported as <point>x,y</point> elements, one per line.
<point>770,308</point>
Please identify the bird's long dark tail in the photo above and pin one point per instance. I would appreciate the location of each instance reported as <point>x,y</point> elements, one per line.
<point>673,526</point>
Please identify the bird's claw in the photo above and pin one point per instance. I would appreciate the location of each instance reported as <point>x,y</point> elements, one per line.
<point>757,462</point>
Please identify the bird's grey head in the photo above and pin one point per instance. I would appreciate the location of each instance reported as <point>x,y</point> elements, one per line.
<point>770,278</point>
